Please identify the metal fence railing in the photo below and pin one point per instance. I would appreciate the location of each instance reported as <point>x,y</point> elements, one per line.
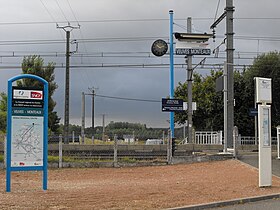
<point>114,152</point>
<point>118,151</point>
<point>208,137</point>
<point>250,140</point>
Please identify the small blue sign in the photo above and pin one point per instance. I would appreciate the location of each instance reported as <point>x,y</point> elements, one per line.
<point>253,112</point>
<point>172,105</point>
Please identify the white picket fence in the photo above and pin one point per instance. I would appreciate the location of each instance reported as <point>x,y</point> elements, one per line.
<point>216,137</point>
<point>250,140</point>
<point>208,137</point>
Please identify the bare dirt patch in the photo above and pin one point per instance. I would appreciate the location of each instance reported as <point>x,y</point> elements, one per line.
<point>134,188</point>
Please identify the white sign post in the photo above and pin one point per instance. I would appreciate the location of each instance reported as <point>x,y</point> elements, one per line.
<point>263,97</point>
<point>278,142</point>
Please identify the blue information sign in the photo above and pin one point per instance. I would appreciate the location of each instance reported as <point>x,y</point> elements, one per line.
<point>172,105</point>
<point>27,129</point>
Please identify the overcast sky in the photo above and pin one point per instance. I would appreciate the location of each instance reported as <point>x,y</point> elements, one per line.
<point>121,32</point>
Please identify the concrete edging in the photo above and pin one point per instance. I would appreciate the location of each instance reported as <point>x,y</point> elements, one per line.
<point>227,203</point>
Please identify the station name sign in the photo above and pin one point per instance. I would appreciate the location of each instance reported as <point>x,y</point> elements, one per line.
<point>172,105</point>
<point>193,51</point>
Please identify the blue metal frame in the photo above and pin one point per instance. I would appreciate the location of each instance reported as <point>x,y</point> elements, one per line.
<point>43,168</point>
<point>171,56</point>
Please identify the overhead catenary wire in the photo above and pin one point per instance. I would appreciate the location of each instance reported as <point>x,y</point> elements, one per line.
<point>128,99</point>
<point>61,11</point>
<point>131,66</point>
<point>121,39</point>
<point>47,10</point>
<point>82,37</point>
<point>131,20</point>
<point>72,11</point>
<point>50,14</point>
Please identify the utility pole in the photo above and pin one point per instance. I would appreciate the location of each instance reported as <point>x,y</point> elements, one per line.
<point>189,80</point>
<point>92,111</point>
<point>83,112</point>
<point>228,13</point>
<point>67,29</point>
<point>83,118</point>
<point>230,50</point>
<point>103,125</point>
<point>225,107</point>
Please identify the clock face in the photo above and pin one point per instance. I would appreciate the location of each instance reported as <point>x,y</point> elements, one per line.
<point>159,47</point>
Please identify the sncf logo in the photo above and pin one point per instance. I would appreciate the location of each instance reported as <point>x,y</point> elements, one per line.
<point>21,92</point>
<point>36,94</point>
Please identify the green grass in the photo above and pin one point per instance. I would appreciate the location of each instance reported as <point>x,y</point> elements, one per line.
<point>55,159</point>
<point>127,160</point>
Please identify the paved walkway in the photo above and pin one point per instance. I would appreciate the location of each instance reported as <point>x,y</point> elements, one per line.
<point>253,160</point>
<point>273,204</point>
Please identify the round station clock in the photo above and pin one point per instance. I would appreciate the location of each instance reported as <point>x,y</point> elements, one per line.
<point>159,47</point>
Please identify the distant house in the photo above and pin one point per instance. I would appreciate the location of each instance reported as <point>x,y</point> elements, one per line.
<point>128,139</point>
<point>154,141</point>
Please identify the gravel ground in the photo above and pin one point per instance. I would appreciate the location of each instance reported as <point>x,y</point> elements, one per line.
<point>156,187</point>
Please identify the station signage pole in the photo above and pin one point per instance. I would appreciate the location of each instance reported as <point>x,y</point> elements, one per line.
<point>264,99</point>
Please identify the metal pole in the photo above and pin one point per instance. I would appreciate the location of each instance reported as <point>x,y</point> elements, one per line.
<point>73,137</point>
<point>103,125</point>
<point>225,109</point>
<point>184,132</point>
<point>133,137</point>
<point>256,118</point>
<point>115,150</point>
<point>67,79</point>
<point>235,141</point>
<point>171,56</point>
<point>189,80</point>
<point>278,142</point>
<point>83,118</point>
<point>169,153</point>
<point>60,151</point>
<point>163,137</point>
<point>230,50</point>
<point>92,112</point>
<point>67,29</point>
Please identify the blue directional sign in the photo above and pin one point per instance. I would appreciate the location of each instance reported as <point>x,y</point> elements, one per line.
<point>172,105</point>
<point>253,112</point>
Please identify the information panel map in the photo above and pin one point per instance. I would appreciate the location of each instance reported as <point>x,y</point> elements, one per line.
<point>27,141</point>
<point>27,128</point>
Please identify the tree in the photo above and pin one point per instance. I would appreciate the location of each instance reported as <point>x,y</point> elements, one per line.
<point>208,115</point>
<point>3,111</point>
<point>210,106</point>
<point>35,65</point>
<point>268,66</point>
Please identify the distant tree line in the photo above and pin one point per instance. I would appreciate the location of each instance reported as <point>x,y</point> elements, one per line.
<point>140,131</point>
